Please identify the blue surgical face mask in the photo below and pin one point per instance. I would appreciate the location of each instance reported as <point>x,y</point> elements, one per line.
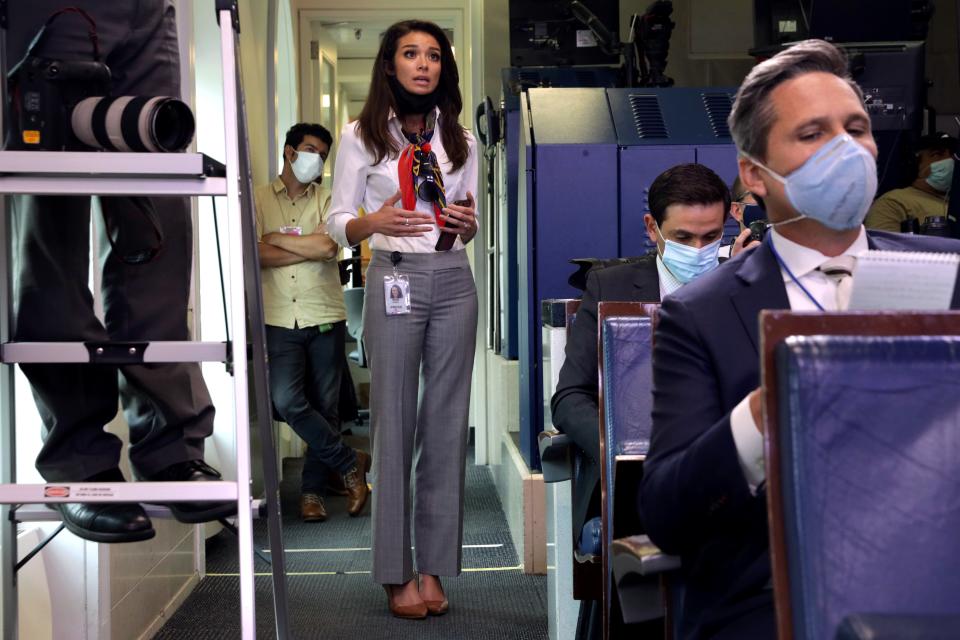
<point>835,186</point>
<point>686,262</point>
<point>941,175</point>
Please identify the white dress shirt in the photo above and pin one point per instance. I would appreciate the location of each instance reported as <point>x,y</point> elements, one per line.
<point>668,281</point>
<point>358,182</point>
<point>802,262</point>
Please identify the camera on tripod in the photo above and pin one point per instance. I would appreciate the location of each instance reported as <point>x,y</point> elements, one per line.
<point>59,105</point>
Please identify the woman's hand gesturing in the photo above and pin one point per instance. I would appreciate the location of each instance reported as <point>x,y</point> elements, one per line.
<point>391,221</point>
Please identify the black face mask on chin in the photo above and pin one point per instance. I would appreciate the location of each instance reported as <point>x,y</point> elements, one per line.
<point>412,103</point>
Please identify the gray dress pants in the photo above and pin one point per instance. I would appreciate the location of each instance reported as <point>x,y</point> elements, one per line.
<point>423,431</point>
<point>166,405</point>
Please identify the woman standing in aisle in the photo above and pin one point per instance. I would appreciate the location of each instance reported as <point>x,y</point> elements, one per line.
<point>409,162</point>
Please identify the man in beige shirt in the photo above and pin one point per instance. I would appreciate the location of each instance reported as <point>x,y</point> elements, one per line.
<point>927,195</point>
<point>306,317</point>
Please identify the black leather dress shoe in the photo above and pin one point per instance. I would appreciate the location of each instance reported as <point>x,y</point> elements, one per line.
<point>194,512</point>
<point>107,521</point>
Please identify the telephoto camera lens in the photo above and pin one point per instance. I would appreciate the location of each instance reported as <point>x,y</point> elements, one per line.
<point>935,226</point>
<point>910,225</point>
<point>133,123</point>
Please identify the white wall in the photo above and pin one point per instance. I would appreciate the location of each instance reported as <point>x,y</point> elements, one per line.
<point>286,73</point>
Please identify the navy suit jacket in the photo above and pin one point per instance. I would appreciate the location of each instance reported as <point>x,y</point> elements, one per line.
<point>694,499</point>
<point>574,405</point>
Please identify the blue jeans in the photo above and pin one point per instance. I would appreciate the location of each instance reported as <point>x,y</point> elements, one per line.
<point>305,371</point>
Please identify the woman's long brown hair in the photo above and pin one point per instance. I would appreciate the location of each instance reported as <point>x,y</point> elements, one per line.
<point>373,118</point>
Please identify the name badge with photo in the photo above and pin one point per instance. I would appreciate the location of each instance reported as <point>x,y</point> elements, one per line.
<point>396,295</point>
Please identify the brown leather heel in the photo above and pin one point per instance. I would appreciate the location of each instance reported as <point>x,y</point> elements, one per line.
<point>405,611</point>
<point>437,607</point>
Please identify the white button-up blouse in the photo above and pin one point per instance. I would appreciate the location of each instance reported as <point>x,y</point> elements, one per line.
<point>358,182</point>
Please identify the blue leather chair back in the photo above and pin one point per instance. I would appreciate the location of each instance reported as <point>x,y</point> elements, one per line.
<point>628,382</point>
<point>626,344</point>
<point>869,431</point>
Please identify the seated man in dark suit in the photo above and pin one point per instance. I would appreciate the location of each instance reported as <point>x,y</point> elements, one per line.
<point>808,154</point>
<point>688,206</point>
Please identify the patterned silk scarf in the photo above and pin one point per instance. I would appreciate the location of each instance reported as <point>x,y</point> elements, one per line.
<point>419,173</point>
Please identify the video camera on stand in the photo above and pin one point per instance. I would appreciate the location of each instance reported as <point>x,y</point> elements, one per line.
<point>645,51</point>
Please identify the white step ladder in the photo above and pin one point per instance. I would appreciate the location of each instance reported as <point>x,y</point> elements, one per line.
<point>108,173</point>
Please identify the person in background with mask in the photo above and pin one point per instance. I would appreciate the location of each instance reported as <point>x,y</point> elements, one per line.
<point>688,206</point>
<point>742,206</point>
<point>927,195</point>
<point>807,151</point>
<point>306,318</point>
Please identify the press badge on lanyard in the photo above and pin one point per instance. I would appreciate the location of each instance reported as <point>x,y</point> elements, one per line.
<point>396,290</point>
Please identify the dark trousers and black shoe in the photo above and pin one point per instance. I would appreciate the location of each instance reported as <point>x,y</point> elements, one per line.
<point>167,406</point>
<point>106,521</point>
<point>194,512</point>
<point>306,366</point>
<point>128,522</point>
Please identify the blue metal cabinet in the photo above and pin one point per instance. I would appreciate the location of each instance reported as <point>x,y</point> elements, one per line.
<point>639,166</point>
<point>569,208</point>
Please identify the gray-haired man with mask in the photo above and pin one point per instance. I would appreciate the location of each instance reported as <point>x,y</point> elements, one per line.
<point>807,151</point>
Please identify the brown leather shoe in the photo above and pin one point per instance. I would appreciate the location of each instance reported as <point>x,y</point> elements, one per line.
<point>355,481</point>
<point>436,607</point>
<point>405,611</point>
<point>311,508</point>
<point>335,485</point>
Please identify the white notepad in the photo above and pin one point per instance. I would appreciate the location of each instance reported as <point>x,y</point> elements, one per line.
<point>904,280</point>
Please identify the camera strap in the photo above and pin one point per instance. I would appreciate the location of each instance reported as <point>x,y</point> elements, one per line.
<point>91,34</point>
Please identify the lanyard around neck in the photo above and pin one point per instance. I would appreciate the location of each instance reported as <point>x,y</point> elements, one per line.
<point>783,265</point>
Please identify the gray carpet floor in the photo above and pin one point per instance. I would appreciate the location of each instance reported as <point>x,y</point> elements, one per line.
<point>332,595</point>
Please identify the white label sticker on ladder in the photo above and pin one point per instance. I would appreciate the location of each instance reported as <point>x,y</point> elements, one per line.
<point>60,491</point>
<point>93,492</point>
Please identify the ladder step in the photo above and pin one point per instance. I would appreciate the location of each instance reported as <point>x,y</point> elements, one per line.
<point>41,513</point>
<point>57,186</point>
<point>87,164</point>
<point>113,352</point>
<point>86,172</point>
<point>118,492</point>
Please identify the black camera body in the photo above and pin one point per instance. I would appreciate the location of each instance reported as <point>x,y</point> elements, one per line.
<point>65,105</point>
<point>758,230</point>
<point>43,94</point>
